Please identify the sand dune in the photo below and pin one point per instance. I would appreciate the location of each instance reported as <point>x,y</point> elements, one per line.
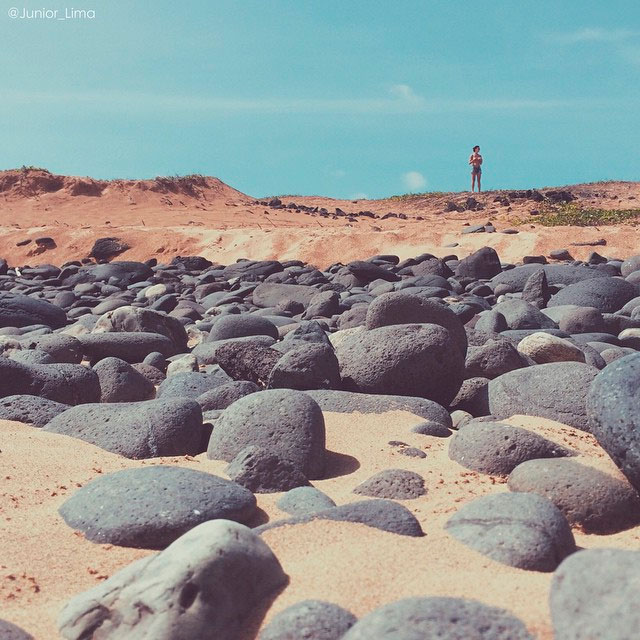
<point>162,218</point>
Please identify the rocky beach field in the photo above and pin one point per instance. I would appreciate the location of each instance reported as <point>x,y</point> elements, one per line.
<point>292,418</point>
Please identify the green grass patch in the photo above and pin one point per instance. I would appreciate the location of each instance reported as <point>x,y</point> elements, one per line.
<point>572,215</point>
<point>407,197</point>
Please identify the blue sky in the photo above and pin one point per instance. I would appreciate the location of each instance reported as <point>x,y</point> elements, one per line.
<point>332,97</point>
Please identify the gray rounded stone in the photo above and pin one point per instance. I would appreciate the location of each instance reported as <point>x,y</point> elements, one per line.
<point>9,631</point>
<point>269,294</point>
<point>519,314</point>
<point>438,617</point>
<point>192,384</point>
<point>204,585</point>
<point>481,264</point>
<point>240,326</point>
<point>226,394</point>
<point>309,366</point>
<point>386,515</point>
<point>404,308</point>
<point>150,507</point>
<point>410,359</point>
<point>492,359</point>
<point>429,428</point>
<point>556,274</point>
<point>522,530</point>
<point>17,310</point>
<point>309,620</point>
<point>30,409</point>
<point>120,382</point>
<point>395,484</point>
<point>496,448</point>
<point>262,471</point>
<point>603,294</point>
<point>281,421</point>
<point>60,347</point>
<point>557,390</point>
<point>150,429</point>
<point>66,383</point>
<point>141,320</point>
<point>304,500</point>
<point>613,405</point>
<point>348,402</point>
<point>131,347</point>
<point>589,498</point>
<point>594,596</point>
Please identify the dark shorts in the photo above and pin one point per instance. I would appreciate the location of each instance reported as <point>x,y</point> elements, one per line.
<point>476,171</point>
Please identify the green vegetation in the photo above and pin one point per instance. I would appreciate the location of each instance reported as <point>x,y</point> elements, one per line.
<point>415,196</point>
<point>571,214</point>
<point>24,168</point>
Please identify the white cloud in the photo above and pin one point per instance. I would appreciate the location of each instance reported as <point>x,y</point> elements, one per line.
<point>405,93</point>
<point>414,181</point>
<point>594,34</point>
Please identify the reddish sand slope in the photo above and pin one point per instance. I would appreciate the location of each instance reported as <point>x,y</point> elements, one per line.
<point>165,217</point>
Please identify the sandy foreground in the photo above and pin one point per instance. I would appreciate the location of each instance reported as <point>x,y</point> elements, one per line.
<point>43,562</point>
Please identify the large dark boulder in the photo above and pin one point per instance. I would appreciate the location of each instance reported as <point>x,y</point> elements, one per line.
<point>482,264</point>
<point>281,421</point>
<point>522,530</point>
<point>557,390</point>
<point>420,360</point>
<point>150,507</point>
<point>594,596</point>
<point>65,383</point>
<point>22,311</point>
<point>613,407</point>
<point>136,430</point>
<point>438,617</point>
<point>604,294</point>
<point>404,308</point>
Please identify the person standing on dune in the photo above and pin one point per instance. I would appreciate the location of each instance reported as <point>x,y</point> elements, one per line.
<point>475,160</point>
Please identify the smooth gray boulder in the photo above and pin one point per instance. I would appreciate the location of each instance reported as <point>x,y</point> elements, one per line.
<point>604,294</point>
<point>304,500</point>
<point>386,515</point>
<point>17,310</point>
<point>394,484</point>
<point>240,326</point>
<point>30,410</point>
<point>565,274</point>
<point>557,390</point>
<point>404,308</point>
<point>141,320</point>
<point>311,620</point>
<point>120,382</point>
<point>348,402</point>
<point>613,407</point>
<point>131,347</point>
<point>410,359</point>
<point>61,382</point>
<point>438,618</point>
<point>497,449</point>
<point>522,530</point>
<point>202,586</point>
<point>150,507</point>
<point>281,421</point>
<point>594,596</point>
<point>591,499</point>
<point>149,429</point>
